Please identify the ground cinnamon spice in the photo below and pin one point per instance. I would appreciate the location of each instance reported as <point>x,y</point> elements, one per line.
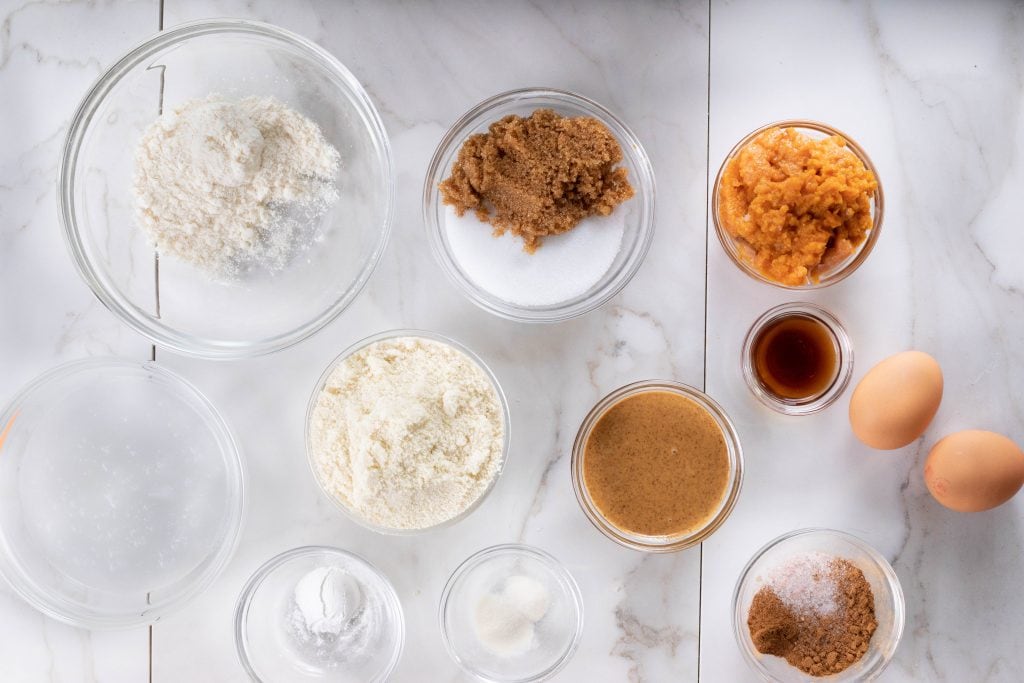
<point>819,644</point>
<point>538,176</point>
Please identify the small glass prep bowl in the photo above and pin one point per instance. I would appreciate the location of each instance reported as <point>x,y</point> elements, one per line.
<point>556,634</point>
<point>666,543</point>
<point>395,334</point>
<point>843,351</point>
<point>890,610</point>
<point>264,618</point>
<point>188,311</point>
<point>637,213</point>
<point>739,252</point>
<point>121,493</point>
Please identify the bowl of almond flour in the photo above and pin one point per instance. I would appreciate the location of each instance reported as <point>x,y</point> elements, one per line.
<point>407,431</point>
<point>226,188</point>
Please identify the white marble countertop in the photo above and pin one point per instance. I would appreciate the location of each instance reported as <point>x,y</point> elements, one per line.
<point>932,90</point>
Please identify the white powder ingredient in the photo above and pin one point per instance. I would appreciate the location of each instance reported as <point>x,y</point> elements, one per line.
<point>407,433</point>
<point>564,267</point>
<point>505,621</point>
<point>326,599</point>
<point>227,185</point>
<point>806,583</point>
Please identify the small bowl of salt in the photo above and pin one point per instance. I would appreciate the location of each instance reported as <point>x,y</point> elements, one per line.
<point>539,205</point>
<point>318,613</point>
<point>511,613</point>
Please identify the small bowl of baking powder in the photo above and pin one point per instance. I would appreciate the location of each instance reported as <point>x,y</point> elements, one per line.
<point>407,431</point>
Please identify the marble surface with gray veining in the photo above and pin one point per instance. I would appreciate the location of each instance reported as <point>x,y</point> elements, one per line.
<point>933,91</point>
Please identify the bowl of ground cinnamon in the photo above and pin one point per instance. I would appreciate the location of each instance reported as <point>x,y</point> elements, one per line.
<point>818,603</point>
<point>539,205</point>
<point>797,204</point>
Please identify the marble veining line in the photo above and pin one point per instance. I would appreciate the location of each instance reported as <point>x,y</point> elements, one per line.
<point>539,493</point>
<point>636,632</point>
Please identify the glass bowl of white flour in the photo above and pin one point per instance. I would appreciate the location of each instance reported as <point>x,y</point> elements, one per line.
<point>226,188</point>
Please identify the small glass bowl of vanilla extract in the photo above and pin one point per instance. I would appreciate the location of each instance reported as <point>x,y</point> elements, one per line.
<point>797,359</point>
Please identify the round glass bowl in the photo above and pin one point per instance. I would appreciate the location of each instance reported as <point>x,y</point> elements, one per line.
<point>637,213</point>
<point>663,543</point>
<point>121,492</point>
<point>397,334</point>
<point>890,610</point>
<point>507,579</point>
<point>273,639</point>
<point>740,253</point>
<point>182,308</point>
<point>841,346</point>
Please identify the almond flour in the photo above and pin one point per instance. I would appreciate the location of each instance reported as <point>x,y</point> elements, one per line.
<point>407,433</point>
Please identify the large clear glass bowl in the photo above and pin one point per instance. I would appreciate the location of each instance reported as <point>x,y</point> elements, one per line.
<point>121,493</point>
<point>182,308</point>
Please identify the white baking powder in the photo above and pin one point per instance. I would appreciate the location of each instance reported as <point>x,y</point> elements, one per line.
<point>227,185</point>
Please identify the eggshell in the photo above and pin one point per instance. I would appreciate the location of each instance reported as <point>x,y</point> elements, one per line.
<point>974,470</point>
<point>896,400</point>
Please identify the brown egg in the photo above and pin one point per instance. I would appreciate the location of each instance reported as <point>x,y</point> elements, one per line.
<point>974,470</point>
<point>896,400</point>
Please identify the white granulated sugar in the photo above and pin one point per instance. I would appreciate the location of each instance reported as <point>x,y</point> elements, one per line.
<point>407,433</point>
<point>806,583</point>
<point>227,185</point>
<point>564,266</point>
<point>505,621</point>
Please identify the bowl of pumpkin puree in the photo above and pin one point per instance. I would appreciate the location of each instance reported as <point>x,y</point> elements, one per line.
<point>797,204</point>
<point>657,466</point>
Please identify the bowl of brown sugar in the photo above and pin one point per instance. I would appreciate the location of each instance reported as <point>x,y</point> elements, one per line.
<point>818,603</point>
<point>539,205</point>
<point>657,466</point>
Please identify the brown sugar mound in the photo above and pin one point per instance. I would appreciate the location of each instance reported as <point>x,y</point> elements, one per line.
<point>801,205</point>
<point>538,176</point>
<point>817,644</point>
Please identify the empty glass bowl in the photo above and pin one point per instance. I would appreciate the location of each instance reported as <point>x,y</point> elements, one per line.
<point>890,610</point>
<point>120,493</point>
<point>636,216</point>
<point>740,253</point>
<point>358,630</point>
<point>511,614</point>
<point>172,303</point>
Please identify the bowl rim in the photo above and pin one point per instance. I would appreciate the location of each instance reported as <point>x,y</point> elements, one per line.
<point>636,541</point>
<point>257,578</point>
<point>235,470</point>
<point>558,568</point>
<point>844,359</point>
<point>892,580</point>
<point>558,312</point>
<point>391,335</point>
<point>110,295</point>
<point>846,268</point>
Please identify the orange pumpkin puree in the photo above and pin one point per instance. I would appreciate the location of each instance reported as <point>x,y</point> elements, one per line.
<point>801,205</point>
